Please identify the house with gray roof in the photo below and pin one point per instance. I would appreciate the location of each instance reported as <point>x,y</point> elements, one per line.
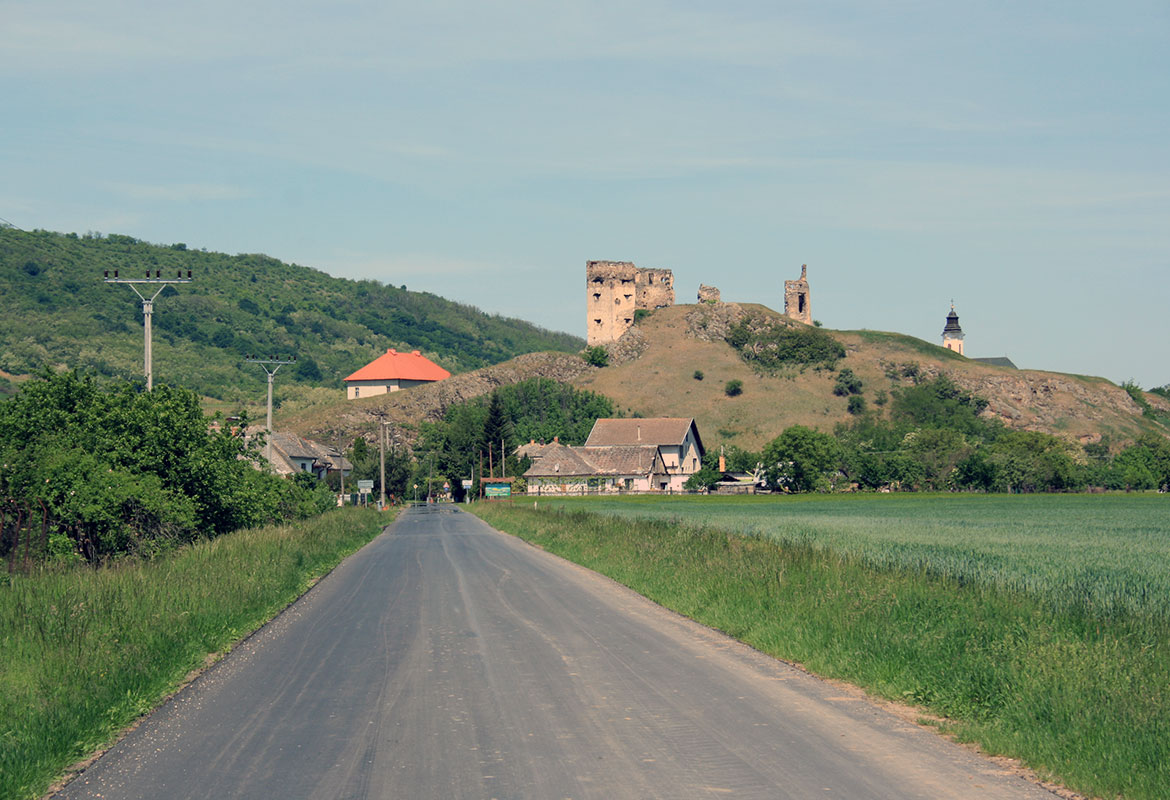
<point>620,455</point>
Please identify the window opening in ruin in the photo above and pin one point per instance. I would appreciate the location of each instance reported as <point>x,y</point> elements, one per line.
<point>599,279</point>
<point>628,296</point>
<point>628,320</point>
<point>597,295</point>
<point>800,303</point>
<point>597,321</point>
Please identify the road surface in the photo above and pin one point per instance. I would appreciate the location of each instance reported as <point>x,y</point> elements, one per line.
<point>447,660</point>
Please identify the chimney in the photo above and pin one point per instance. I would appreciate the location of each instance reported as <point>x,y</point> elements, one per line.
<point>390,351</point>
<point>556,440</point>
<point>639,433</point>
<point>415,353</point>
<point>722,460</point>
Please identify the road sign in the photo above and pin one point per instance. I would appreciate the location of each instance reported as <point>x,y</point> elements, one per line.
<point>365,486</point>
<point>466,484</point>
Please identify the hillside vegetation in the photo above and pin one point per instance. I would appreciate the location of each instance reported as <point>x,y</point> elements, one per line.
<point>685,364</point>
<point>58,312</point>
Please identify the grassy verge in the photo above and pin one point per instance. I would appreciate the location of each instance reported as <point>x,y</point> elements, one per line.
<point>1081,697</point>
<point>85,652</point>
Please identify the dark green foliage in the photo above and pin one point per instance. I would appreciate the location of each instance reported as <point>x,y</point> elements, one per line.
<point>733,388</point>
<point>1162,391</point>
<point>123,470</point>
<point>537,409</point>
<point>703,479</point>
<point>801,459</point>
<point>698,375</point>
<point>307,370</point>
<point>596,356</point>
<point>1139,397</point>
<point>770,344</point>
<point>856,404</point>
<point>58,311</point>
<point>847,383</point>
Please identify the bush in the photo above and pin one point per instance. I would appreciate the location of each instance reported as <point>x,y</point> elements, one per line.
<point>856,404</point>
<point>847,383</point>
<point>596,356</point>
<point>733,388</point>
<point>698,375</point>
<point>770,344</point>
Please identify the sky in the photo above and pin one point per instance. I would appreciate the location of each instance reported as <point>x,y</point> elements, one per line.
<point>1011,157</point>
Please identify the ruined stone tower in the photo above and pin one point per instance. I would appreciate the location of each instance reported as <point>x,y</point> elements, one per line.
<point>797,302</point>
<point>614,290</point>
<point>952,335</point>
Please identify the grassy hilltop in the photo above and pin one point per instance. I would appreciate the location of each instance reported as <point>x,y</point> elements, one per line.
<point>59,313</point>
<point>661,381</point>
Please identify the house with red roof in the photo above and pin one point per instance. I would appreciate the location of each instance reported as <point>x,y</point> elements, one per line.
<point>393,371</point>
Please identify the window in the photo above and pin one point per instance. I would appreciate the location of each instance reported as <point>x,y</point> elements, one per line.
<point>357,391</point>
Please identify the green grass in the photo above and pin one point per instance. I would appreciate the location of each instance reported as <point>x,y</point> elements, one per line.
<point>1105,553</point>
<point>1080,693</point>
<point>85,651</point>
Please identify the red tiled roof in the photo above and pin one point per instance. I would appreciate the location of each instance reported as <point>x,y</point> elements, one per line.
<point>392,365</point>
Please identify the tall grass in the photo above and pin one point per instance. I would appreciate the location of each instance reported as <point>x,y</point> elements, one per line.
<point>1081,696</point>
<point>1104,553</point>
<point>87,651</point>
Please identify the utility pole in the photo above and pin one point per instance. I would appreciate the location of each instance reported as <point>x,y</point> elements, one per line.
<point>382,458</point>
<point>148,310</point>
<point>277,364</point>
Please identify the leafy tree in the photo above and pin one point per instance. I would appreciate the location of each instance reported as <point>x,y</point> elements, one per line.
<point>801,459</point>
<point>702,480</point>
<point>856,404</point>
<point>733,388</point>
<point>698,375</point>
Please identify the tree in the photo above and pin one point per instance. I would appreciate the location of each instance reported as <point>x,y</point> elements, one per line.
<point>733,388</point>
<point>847,383</point>
<point>702,480</point>
<point>801,459</point>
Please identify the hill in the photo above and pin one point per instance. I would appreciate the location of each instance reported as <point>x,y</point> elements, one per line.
<point>658,378</point>
<point>653,373</point>
<point>58,312</point>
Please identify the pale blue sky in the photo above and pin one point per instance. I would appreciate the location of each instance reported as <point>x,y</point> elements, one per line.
<point>1012,156</point>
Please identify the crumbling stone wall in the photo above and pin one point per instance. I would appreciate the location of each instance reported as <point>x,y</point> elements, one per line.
<point>797,300</point>
<point>614,290</point>
<point>708,294</point>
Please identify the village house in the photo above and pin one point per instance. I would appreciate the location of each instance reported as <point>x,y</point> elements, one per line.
<point>620,455</point>
<point>392,371</point>
<point>292,454</point>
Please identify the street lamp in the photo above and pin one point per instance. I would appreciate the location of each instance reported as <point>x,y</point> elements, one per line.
<point>276,363</point>
<point>148,308</point>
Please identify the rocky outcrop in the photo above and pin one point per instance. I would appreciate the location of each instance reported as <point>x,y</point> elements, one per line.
<point>710,323</point>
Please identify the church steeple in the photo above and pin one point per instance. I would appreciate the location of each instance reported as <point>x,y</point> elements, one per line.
<point>952,335</point>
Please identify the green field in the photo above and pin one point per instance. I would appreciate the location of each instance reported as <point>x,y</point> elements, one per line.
<point>1036,626</point>
<point>1104,553</point>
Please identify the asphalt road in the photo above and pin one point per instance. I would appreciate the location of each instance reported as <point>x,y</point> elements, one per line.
<point>446,660</point>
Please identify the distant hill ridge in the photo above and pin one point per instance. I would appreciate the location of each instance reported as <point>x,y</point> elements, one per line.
<point>58,312</point>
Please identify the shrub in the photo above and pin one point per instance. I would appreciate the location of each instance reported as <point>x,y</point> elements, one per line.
<point>847,383</point>
<point>698,375</point>
<point>856,404</point>
<point>596,356</point>
<point>733,388</point>
<point>769,344</point>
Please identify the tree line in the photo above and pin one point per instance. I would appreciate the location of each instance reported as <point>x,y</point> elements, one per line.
<point>113,469</point>
<point>934,439</point>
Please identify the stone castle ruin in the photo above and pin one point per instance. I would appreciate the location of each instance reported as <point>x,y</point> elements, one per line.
<point>797,302</point>
<point>615,290</point>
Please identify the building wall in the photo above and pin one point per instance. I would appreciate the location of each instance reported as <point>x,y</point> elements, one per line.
<point>953,343</point>
<point>797,299</point>
<point>355,390</point>
<point>614,290</point>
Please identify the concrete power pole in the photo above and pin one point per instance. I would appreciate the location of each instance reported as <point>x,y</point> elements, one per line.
<point>276,363</point>
<point>382,459</point>
<point>148,310</point>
